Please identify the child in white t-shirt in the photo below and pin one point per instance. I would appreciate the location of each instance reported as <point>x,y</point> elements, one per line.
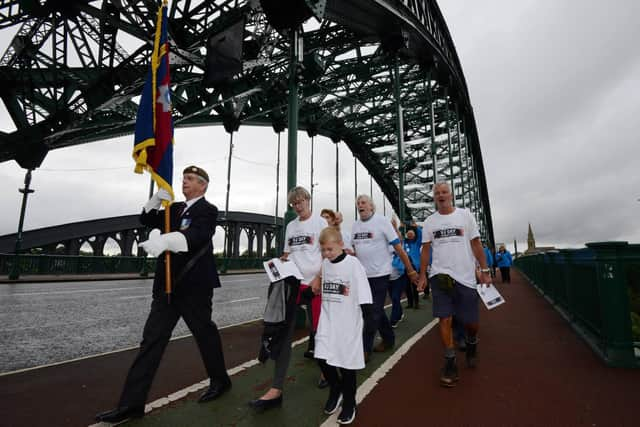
<point>346,311</point>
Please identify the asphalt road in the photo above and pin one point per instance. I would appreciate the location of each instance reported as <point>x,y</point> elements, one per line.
<point>43,323</point>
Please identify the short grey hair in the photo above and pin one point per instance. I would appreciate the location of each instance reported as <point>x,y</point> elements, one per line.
<point>297,193</point>
<point>368,199</point>
<point>440,184</point>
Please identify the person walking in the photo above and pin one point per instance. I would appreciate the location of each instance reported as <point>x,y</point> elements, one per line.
<point>453,235</point>
<point>371,236</point>
<point>193,224</point>
<point>302,248</point>
<point>504,262</point>
<point>346,313</point>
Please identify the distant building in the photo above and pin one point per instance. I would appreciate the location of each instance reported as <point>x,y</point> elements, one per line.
<point>532,249</point>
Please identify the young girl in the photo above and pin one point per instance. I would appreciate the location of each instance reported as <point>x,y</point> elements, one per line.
<point>346,310</point>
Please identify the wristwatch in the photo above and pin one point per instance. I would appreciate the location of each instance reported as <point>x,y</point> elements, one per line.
<point>485,270</point>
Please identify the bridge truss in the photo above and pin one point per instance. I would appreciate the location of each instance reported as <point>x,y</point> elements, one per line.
<point>74,71</point>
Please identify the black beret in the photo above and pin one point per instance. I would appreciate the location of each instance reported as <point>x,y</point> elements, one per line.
<point>198,171</point>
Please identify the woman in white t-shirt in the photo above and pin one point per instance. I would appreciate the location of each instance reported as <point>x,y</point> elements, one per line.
<point>301,247</point>
<point>346,299</point>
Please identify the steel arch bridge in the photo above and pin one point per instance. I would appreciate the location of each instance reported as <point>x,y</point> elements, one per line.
<point>392,90</point>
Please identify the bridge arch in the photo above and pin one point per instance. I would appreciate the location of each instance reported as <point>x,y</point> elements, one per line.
<point>391,72</point>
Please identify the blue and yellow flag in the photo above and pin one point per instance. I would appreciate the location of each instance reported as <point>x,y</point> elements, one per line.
<point>153,143</point>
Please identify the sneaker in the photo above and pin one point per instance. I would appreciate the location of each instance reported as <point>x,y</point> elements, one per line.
<point>472,354</point>
<point>347,415</point>
<point>449,376</point>
<point>394,324</point>
<point>333,402</point>
<point>308,354</point>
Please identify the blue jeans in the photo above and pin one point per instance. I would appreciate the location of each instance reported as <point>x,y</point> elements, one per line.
<point>379,288</point>
<point>395,292</point>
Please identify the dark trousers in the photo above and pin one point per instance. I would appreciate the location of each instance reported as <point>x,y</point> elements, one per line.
<point>505,273</point>
<point>345,382</point>
<point>379,288</point>
<point>196,312</point>
<point>412,294</point>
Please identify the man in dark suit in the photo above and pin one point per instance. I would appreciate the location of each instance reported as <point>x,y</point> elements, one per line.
<point>194,275</point>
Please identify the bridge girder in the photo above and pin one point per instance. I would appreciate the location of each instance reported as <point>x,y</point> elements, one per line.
<point>75,69</point>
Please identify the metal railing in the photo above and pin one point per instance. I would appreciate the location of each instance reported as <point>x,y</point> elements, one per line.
<point>78,265</point>
<point>597,289</point>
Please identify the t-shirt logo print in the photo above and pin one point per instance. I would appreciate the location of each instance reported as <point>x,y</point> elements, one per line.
<point>300,240</point>
<point>363,235</point>
<point>448,232</point>
<point>335,288</point>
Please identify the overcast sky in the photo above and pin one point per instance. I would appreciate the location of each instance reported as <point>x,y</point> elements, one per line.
<point>555,87</point>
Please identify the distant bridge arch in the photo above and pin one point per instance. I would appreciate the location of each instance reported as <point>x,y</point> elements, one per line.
<point>127,232</point>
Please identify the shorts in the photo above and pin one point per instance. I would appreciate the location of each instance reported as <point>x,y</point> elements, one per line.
<point>461,302</point>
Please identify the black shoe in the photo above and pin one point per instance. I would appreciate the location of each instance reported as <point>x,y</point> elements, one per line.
<point>309,354</point>
<point>472,354</point>
<point>322,383</point>
<point>216,389</point>
<point>333,402</point>
<point>347,415</point>
<point>120,414</point>
<point>449,376</point>
<point>263,405</point>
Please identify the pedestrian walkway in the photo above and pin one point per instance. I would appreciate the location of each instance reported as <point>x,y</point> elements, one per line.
<point>533,370</point>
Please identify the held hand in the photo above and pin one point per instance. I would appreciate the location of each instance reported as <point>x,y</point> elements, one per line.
<point>315,285</point>
<point>414,277</point>
<point>422,282</point>
<point>163,194</point>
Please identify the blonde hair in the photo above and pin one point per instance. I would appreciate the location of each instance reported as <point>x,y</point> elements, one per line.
<point>298,193</point>
<point>330,234</point>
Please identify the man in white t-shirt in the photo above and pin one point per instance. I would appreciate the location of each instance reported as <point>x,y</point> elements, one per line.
<point>452,234</point>
<point>371,236</point>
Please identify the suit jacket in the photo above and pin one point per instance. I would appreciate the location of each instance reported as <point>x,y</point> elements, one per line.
<point>198,224</point>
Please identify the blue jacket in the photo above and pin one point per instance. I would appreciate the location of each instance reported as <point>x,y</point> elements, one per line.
<point>503,259</point>
<point>488,256</point>
<point>412,248</point>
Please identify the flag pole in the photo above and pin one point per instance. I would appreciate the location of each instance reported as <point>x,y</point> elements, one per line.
<point>167,255</point>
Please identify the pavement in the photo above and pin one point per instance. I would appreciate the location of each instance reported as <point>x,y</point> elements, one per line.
<point>533,370</point>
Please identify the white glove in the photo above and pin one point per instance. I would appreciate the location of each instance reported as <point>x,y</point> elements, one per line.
<point>156,200</point>
<point>158,243</point>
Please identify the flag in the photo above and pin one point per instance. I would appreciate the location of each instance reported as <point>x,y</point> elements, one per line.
<point>153,142</point>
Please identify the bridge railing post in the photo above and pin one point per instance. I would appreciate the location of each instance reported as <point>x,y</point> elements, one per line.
<point>617,341</point>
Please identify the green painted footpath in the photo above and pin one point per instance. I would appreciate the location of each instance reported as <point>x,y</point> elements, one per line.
<point>303,401</point>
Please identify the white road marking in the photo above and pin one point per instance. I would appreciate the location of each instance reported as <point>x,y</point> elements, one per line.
<point>82,291</point>
<point>242,300</point>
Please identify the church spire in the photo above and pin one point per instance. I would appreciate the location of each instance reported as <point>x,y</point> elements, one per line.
<point>531,242</point>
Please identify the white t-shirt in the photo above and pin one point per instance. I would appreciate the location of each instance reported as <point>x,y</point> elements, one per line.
<point>301,241</point>
<point>339,336</point>
<point>370,240</point>
<point>346,239</point>
<point>450,236</point>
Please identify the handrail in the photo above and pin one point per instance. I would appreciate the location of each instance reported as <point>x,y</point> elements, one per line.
<point>597,289</point>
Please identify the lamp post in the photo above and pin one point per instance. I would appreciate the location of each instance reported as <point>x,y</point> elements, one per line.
<point>15,269</point>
